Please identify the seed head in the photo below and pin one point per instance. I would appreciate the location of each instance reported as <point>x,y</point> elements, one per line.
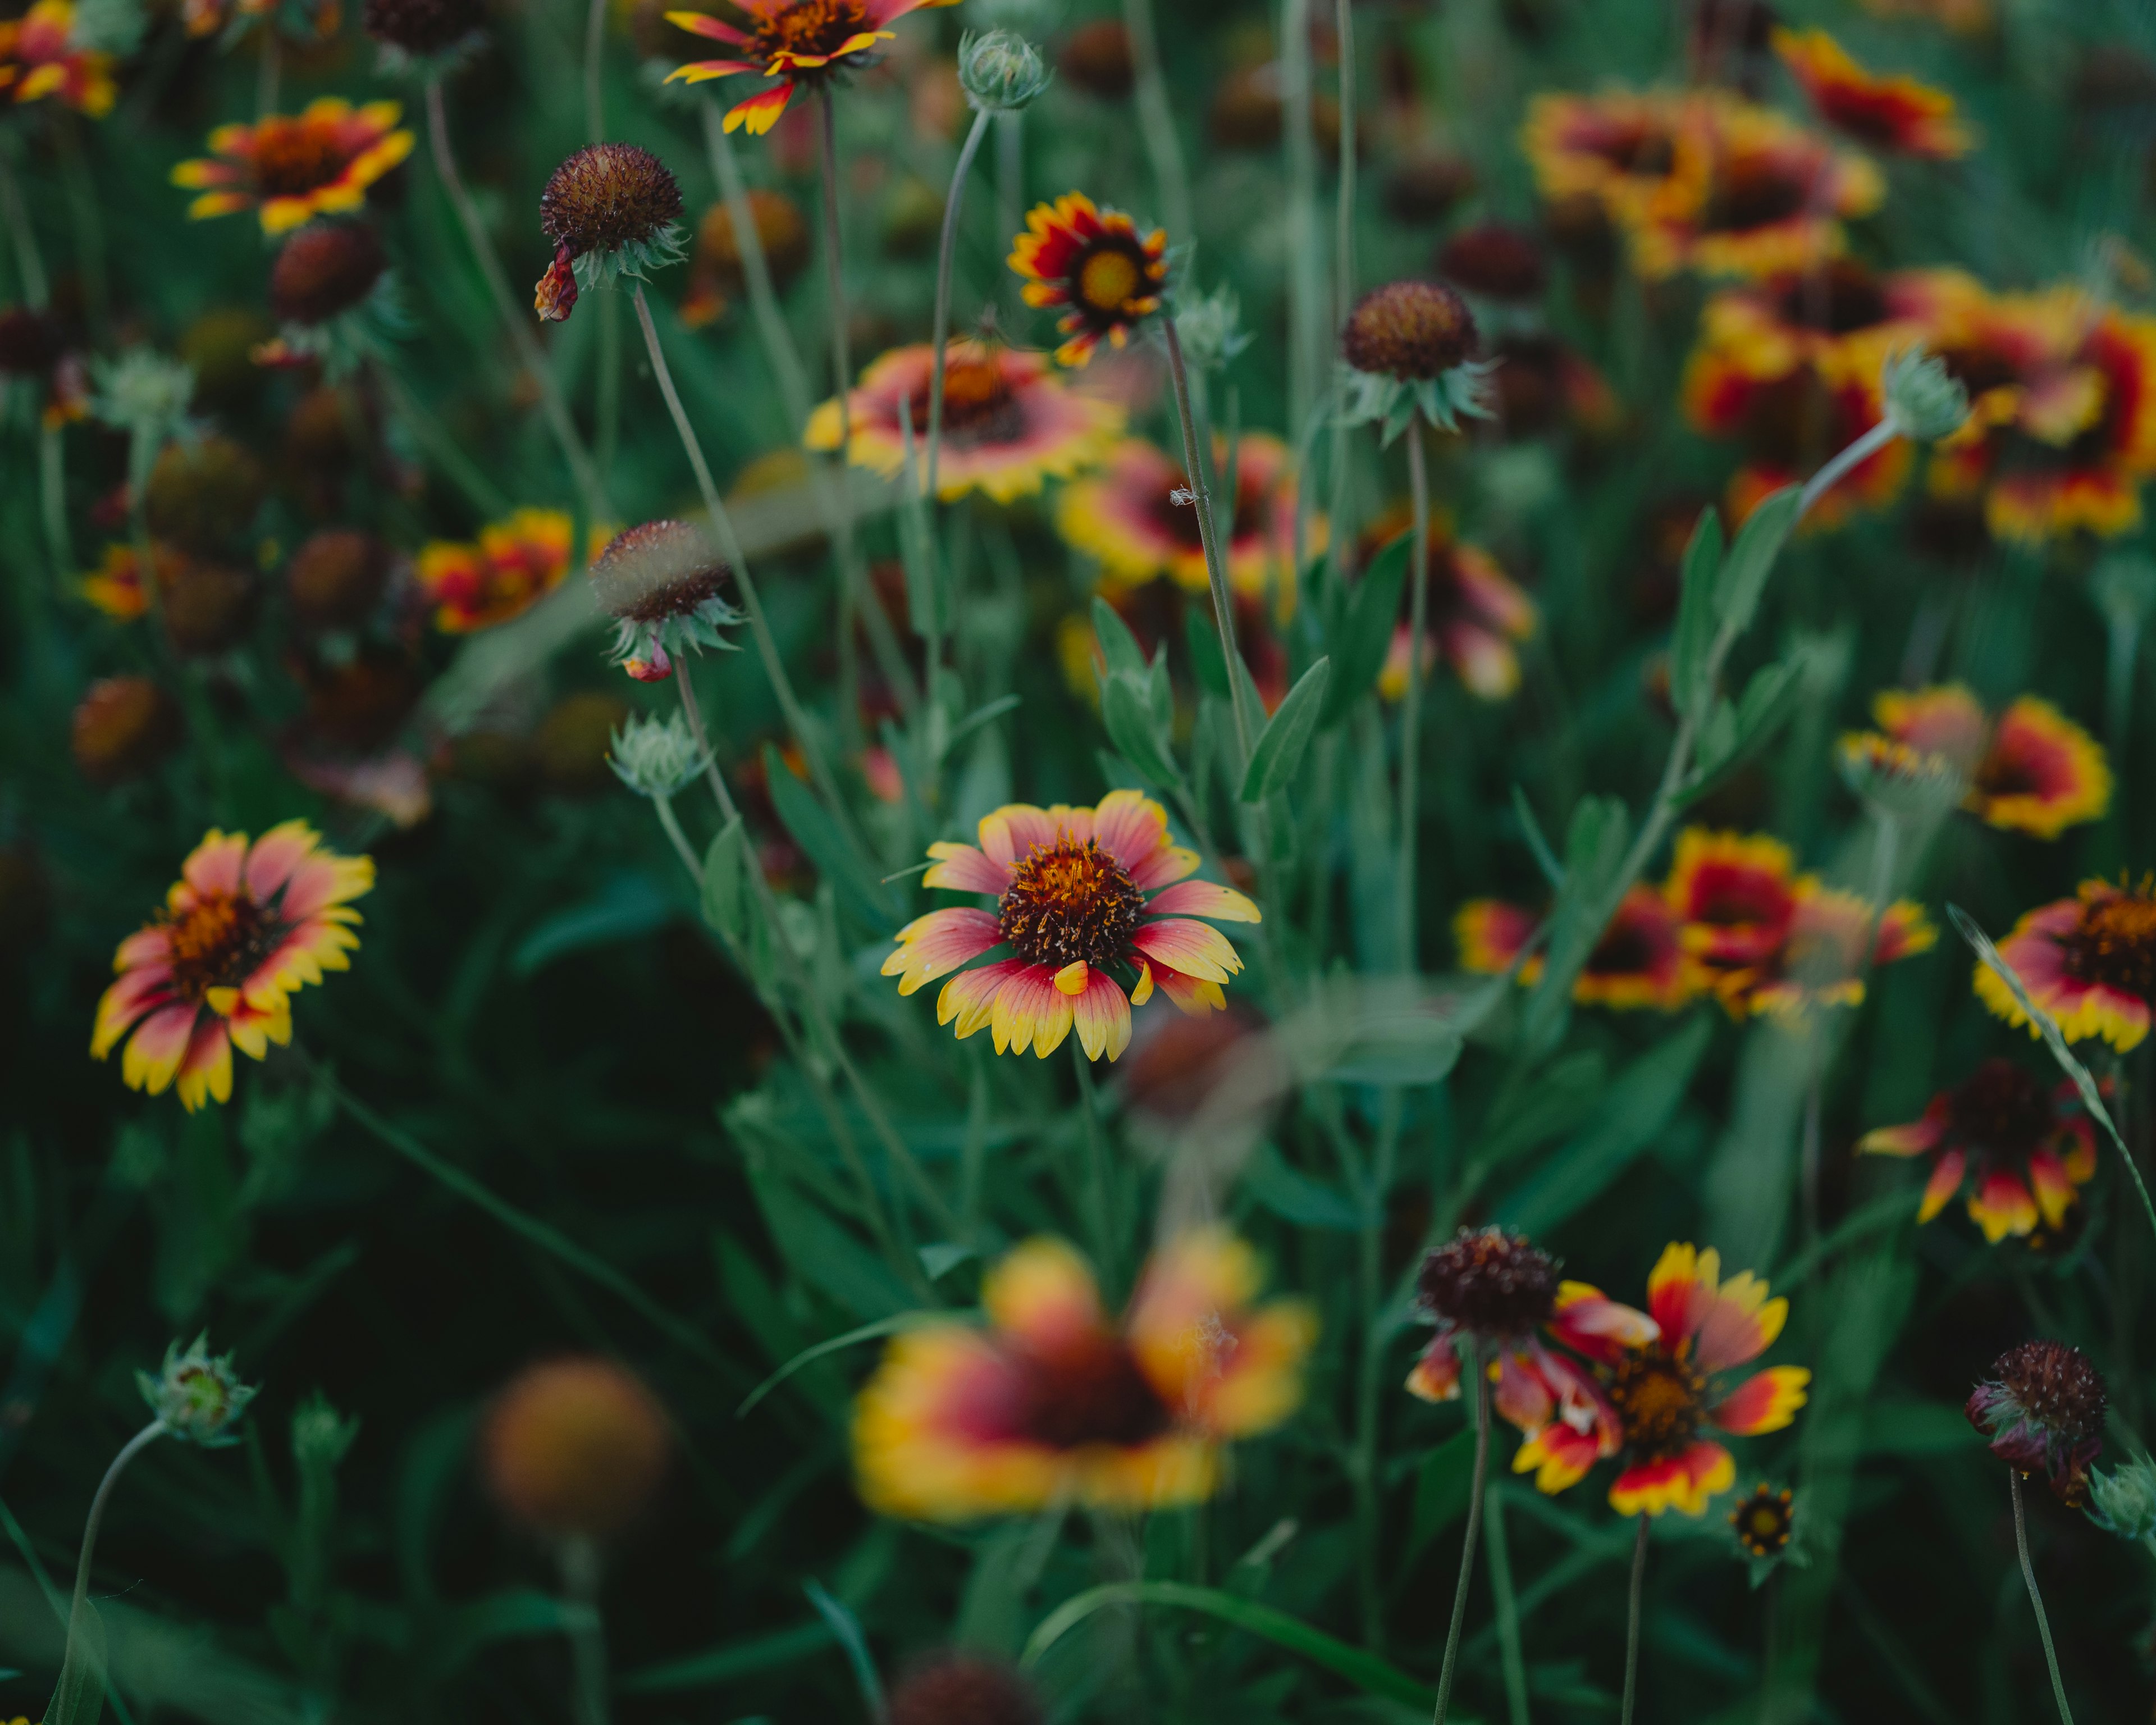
<point>196,1395</point>
<point>122,727</point>
<point>421,26</point>
<point>1498,262</point>
<point>2042,1409</point>
<point>575,1447</point>
<point>662,569</point>
<point>336,578</point>
<point>962,1689</point>
<point>608,197</point>
<point>1410,329</point>
<point>1425,186</point>
<point>1489,1280</point>
<point>203,495</point>
<point>326,268</point>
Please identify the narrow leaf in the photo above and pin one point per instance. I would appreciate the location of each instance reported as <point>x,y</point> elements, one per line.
<point>1694,632</point>
<point>1119,647</point>
<point>808,1356</point>
<point>1366,630</point>
<point>847,1628</point>
<point>1280,749</point>
<point>1129,719</point>
<point>722,898</point>
<point>1751,560</point>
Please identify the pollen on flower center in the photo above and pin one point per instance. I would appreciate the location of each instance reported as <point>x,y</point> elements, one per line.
<point>1661,1400</point>
<point>2115,944</point>
<point>1107,279</point>
<point>818,27</point>
<point>217,942</point>
<point>291,157</point>
<point>1070,901</point>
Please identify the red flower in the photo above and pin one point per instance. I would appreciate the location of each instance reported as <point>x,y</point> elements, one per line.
<point>1890,113</point>
<point>1096,262</point>
<point>794,41</point>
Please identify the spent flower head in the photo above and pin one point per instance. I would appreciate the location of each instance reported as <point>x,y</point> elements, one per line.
<point>1408,348</point>
<point>1491,1281</point>
<point>1924,401</point>
<point>656,757</point>
<point>197,1395</point>
<point>1000,71</point>
<point>2042,1412</point>
<point>612,210</point>
<point>663,583</point>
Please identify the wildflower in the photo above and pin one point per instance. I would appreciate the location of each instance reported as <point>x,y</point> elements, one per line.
<point>326,268</point>
<point>42,54</point>
<point>1763,1519</point>
<point>1410,347</point>
<point>1128,517</point>
<point>2041,1411</point>
<point>1896,114</point>
<point>2031,1150</point>
<point>1540,383</point>
<point>2033,770</point>
<point>516,563</point>
<point>1496,261</point>
<point>2089,962</point>
<point>336,578</point>
<point>203,493</point>
<point>1094,263</point>
<point>1617,150</point>
<point>1476,616</point>
<point>964,1689</point>
<point>1425,185</point>
<point>197,1395</point>
<point>574,1448</point>
<point>1000,71</point>
<point>1638,962</point>
<point>610,210</point>
<point>122,727</point>
<point>115,586</point>
<point>656,757</point>
<point>143,392</point>
<point>208,606</point>
<point>715,266</point>
<point>797,42</point>
<point>421,28</point>
<point>1072,887</point>
<point>1898,779</point>
<point>243,929</point>
<point>1009,423</point>
<point>662,583</point>
<point>291,168</point>
<point>1050,1402</point>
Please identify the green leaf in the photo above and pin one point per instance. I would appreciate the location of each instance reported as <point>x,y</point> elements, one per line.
<point>1124,711</point>
<point>1280,747</point>
<point>867,1332</point>
<point>1366,629</point>
<point>1751,560</point>
<point>79,1697</point>
<point>1295,1197</point>
<point>1594,843</point>
<point>724,905</point>
<point>818,836</point>
<point>1210,663</point>
<point>730,1660</point>
<point>1732,732</point>
<point>1443,1486</point>
<point>1694,640</point>
<point>626,907</point>
<point>1119,647</point>
<point>846,1630</point>
<point>1366,1671</point>
<point>826,1255</point>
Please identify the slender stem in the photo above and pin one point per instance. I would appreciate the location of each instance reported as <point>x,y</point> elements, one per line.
<point>671,823</point>
<point>52,497</point>
<point>201,715</point>
<point>594,71</point>
<point>1411,707</point>
<point>779,351</point>
<point>269,70</point>
<point>1863,450</point>
<point>1810,1158</point>
<point>1507,1607</point>
<point>1096,1157</point>
<point>1157,119</point>
<point>1343,256</point>
<point>2037,1599</point>
<point>942,325</point>
<point>29,261</point>
<point>1195,463</point>
<point>1632,1626</point>
<point>528,350</point>
<point>1373,1181</point>
<point>586,1629</point>
<point>1306,275</point>
<point>607,408</point>
<point>1468,1363</point>
<point>79,1608</point>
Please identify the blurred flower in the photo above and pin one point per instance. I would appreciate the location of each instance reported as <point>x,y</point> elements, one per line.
<point>569,747</point>
<point>1049,1404</point>
<point>795,41</point>
<point>1096,58</point>
<point>326,269</point>
<point>1071,886</point>
<point>516,563</point>
<point>1901,782</point>
<point>663,583</point>
<point>656,757</point>
<point>1895,114</point>
<point>203,493</point>
<point>1410,348</point>
<point>357,703</point>
<point>1477,613</point>
<point>1009,423</point>
<point>1210,327</point>
<point>143,392</point>
<point>2031,1148</point>
<point>1128,517</point>
<point>1095,263</point>
<point>1969,17</point>
<point>611,210</point>
<point>41,55</point>
<point>715,267</point>
<point>1540,383</point>
<point>2041,1411</point>
<point>575,1448</point>
<point>392,784</point>
<point>292,168</point>
<point>1763,1519</point>
<point>2088,960</point>
<point>336,578</point>
<point>964,1689</point>
<point>208,606</point>
<point>243,929</point>
<point>1001,71</point>
<point>197,1395</point>
<point>122,727</point>
<point>1638,962</point>
<point>1496,261</point>
<point>1490,933</point>
<point>1926,402</point>
<point>1618,149</point>
<point>1424,187</point>
<point>2032,771</point>
<point>115,587</point>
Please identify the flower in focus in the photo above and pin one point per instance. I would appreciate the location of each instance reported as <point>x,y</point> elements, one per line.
<point>197,1395</point>
<point>1009,423</point>
<point>40,58</point>
<point>1073,888</point>
<point>1093,262</point>
<point>2041,1411</point>
<point>795,41</point>
<point>1133,515</point>
<point>1491,1285</point>
<point>244,928</point>
<point>2024,1151</point>
<point>611,210</point>
<point>1475,615</point>
<point>516,563</point>
<point>663,583</point>
<point>2089,962</point>
<point>291,168</point>
<point>574,1448</point>
<point>2033,770</point>
<point>1410,348</point>
<point>1638,962</point>
<point>1896,113</point>
<point>1050,1403</point>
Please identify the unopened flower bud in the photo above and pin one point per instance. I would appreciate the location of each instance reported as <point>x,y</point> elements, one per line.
<point>197,1396</point>
<point>656,757</point>
<point>1001,71</point>
<point>1923,400</point>
<point>2123,1501</point>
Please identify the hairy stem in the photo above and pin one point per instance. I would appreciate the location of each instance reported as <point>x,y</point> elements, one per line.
<point>1830,475</point>
<point>1468,1363</point>
<point>1196,464</point>
<point>2037,1599</point>
<point>1411,707</point>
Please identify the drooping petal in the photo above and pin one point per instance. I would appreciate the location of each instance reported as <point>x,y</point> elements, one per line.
<point>2001,1205</point>
<point>1945,1181</point>
<point>1436,1374</point>
<point>1912,1139</point>
<point>1191,994</point>
<point>1524,1396</point>
<point>1559,1456</point>
<point>1684,1482</point>
<point>759,113</point>
<point>1765,1402</point>
<point>134,994</point>
<point>1588,1322</point>
<point>205,1070</point>
<point>1202,898</point>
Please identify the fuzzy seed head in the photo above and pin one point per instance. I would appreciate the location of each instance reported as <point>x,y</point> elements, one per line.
<point>326,268</point>
<point>575,1448</point>
<point>1410,329</point>
<point>421,26</point>
<point>1489,1280</point>
<point>962,1689</point>
<point>336,578</point>
<point>609,196</point>
<point>660,570</point>
<point>2055,1387</point>
<point>122,727</point>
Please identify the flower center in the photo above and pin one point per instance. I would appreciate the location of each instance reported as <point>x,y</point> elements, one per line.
<point>1091,1393</point>
<point>1751,194</point>
<point>1843,298</point>
<point>978,405</point>
<point>1068,901</point>
<point>813,27</point>
<point>1108,279</point>
<point>2003,1108</point>
<point>1661,1400</point>
<point>292,157</point>
<point>217,942</point>
<point>1641,149</point>
<point>1763,1523</point>
<point>2116,943</point>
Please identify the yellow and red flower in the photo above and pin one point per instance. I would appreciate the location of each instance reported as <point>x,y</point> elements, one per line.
<point>1476,617</point>
<point>1009,423</point>
<point>1050,1402</point>
<point>516,563</point>
<point>1639,962</point>
<point>2088,960</point>
<point>1074,889</point>
<point>2025,1152</point>
<point>294,167</point>
<point>1895,113</point>
<point>244,928</point>
<point>1126,516</point>
<point>115,586</point>
<point>795,41</point>
<point>1618,149</point>
<point>1094,263</point>
<point>2033,770</point>
<point>39,59</point>
<point>1663,1392</point>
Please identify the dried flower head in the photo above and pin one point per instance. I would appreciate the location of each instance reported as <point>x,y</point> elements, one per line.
<point>664,583</point>
<point>197,1396</point>
<point>1489,1280</point>
<point>203,494</point>
<point>2042,1411</point>
<point>656,757</point>
<point>611,210</point>
<point>207,605</point>
<point>964,1689</point>
<point>421,26</point>
<point>336,578</point>
<point>326,269</point>
<point>1410,348</point>
<point>122,727</point>
<point>575,1448</point>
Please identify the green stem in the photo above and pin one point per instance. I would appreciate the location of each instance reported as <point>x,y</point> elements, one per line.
<point>586,1629</point>
<point>1411,707</point>
<point>1863,450</point>
<point>1157,120</point>
<point>1196,463</point>
<point>2037,1599</point>
<point>1010,171</point>
<point>1101,1199</point>
<point>79,1608</point>
<point>1468,1363</point>
<point>1632,1624</point>
<point>1306,278</point>
<point>1508,1605</point>
<point>671,823</point>
<point>52,498</point>
<point>1343,257</point>
<point>942,323</point>
<point>607,408</point>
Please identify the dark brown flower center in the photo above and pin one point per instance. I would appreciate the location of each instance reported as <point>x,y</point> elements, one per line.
<point>1661,1400</point>
<point>2002,1108</point>
<point>1762,1522</point>
<point>1489,1280</point>
<point>217,942</point>
<point>1750,193</point>
<point>1109,278</point>
<point>1843,297</point>
<point>1068,901</point>
<point>1410,329</point>
<point>2116,943</point>
<point>293,157</point>
<point>1641,148</point>
<point>1090,1392</point>
<point>978,405</point>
